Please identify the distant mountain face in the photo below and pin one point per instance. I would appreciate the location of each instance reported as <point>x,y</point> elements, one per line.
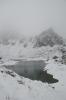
<point>48,37</point>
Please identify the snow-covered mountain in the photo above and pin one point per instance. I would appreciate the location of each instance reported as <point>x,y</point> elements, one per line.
<point>49,47</point>
<point>46,45</point>
<point>48,37</point>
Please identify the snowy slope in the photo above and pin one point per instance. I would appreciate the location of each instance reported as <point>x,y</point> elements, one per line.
<point>19,51</point>
<point>13,87</point>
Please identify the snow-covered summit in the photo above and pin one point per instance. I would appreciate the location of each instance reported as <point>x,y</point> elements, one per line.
<point>48,37</point>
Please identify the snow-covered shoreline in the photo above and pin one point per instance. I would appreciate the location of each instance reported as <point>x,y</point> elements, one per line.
<point>14,87</point>
<point>17,88</point>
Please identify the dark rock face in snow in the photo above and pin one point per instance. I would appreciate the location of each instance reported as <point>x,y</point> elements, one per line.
<point>48,37</point>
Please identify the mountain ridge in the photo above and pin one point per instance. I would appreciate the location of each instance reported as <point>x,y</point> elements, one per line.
<point>48,37</point>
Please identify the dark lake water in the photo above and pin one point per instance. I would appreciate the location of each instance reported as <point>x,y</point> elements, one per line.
<point>33,70</point>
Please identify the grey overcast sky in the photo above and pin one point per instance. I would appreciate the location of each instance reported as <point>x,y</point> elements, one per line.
<point>30,17</point>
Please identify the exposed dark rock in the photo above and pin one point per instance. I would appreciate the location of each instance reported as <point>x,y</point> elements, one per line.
<point>10,73</point>
<point>55,57</point>
<point>0,58</point>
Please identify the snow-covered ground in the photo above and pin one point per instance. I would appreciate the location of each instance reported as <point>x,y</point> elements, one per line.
<point>14,87</point>
<point>19,51</point>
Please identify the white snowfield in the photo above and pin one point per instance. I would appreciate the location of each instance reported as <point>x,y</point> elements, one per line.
<point>19,51</point>
<point>14,87</point>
